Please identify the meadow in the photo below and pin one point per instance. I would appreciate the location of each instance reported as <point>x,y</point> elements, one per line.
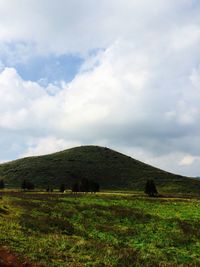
<point>104,229</point>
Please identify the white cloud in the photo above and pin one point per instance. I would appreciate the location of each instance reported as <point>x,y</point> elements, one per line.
<point>139,93</point>
<point>47,145</point>
<point>187,160</point>
<point>185,37</point>
<point>82,25</point>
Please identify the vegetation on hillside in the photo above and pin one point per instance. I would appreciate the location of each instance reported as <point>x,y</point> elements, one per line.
<point>112,170</point>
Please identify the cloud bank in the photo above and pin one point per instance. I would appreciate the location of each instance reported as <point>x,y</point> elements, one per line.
<point>137,91</point>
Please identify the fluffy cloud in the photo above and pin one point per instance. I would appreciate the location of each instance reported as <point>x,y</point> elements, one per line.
<point>139,94</point>
<point>49,144</point>
<point>79,26</point>
<point>187,160</point>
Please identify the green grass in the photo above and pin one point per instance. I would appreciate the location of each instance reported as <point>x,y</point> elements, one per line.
<point>101,230</point>
<point>112,170</point>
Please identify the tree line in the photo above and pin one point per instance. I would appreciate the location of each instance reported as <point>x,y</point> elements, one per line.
<point>85,185</point>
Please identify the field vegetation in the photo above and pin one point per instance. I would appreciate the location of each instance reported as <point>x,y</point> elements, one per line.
<point>103,229</point>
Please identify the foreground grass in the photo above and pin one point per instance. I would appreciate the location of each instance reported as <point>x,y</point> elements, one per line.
<point>101,230</point>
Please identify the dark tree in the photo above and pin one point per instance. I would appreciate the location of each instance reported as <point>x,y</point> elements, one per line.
<point>85,185</point>
<point>23,185</point>
<point>49,189</point>
<point>27,185</point>
<point>94,187</point>
<point>150,188</point>
<point>75,188</point>
<point>62,188</point>
<point>2,185</point>
<point>30,186</point>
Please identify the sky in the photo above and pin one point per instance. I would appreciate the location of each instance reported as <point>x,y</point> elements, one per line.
<point>124,74</point>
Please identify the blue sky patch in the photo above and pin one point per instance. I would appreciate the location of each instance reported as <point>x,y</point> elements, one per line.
<point>50,69</point>
<point>44,69</point>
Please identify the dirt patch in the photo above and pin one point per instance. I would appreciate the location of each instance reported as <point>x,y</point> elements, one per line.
<point>9,259</point>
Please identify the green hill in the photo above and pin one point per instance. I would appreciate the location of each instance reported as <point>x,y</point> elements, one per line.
<point>111,169</point>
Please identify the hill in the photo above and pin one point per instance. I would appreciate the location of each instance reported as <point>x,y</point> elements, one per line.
<point>111,169</point>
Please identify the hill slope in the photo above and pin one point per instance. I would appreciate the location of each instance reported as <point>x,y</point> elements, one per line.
<point>111,169</point>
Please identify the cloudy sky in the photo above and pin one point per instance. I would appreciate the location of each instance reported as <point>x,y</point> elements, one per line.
<point>118,73</point>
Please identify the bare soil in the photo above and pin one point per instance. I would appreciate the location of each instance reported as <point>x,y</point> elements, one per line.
<point>9,259</point>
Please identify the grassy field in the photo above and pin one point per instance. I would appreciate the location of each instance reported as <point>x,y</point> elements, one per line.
<point>101,230</point>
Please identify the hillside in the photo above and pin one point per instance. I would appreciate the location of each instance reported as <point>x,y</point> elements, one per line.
<point>111,169</point>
